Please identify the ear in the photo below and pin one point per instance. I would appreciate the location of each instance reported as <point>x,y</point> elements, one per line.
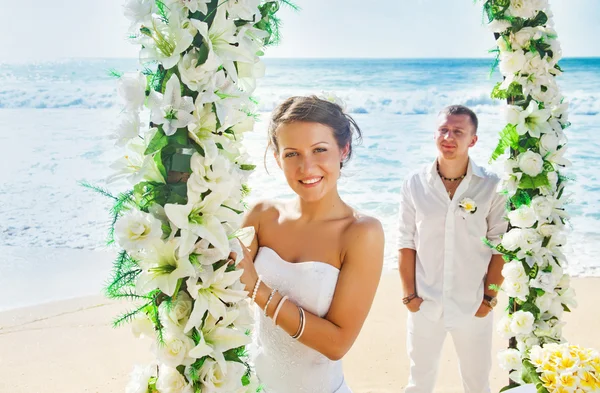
<point>474,140</point>
<point>277,159</point>
<point>344,152</point>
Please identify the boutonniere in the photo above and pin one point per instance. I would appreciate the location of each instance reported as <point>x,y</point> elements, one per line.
<point>468,205</point>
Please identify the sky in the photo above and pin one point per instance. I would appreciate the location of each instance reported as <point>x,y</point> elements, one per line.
<point>44,30</point>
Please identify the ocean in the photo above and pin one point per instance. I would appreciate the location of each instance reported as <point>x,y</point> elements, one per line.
<point>55,118</point>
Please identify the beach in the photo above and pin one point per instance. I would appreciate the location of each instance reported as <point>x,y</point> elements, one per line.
<point>70,346</point>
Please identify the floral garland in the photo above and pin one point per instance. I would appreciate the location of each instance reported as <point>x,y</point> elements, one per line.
<point>535,281</point>
<point>181,220</point>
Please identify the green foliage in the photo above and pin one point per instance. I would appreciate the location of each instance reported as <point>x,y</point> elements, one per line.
<point>508,138</point>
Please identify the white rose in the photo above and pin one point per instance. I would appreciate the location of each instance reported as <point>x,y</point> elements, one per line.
<point>548,230</point>
<point>499,26</point>
<point>523,217</point>
<point>503,327</point>
<point>178,312</point>
<point>142,326</point>
<point>542,207</point>
<point>511,240</point>
<point>140,376</point>
<point>137,230</point>
<point>216,380</point>
<point>512,62</point>
<point>544,302</point>
<point>516,289</point>
<point>525,9</point>
<point>526,342</point>
<point>171,381</point>
<point>509,359</point>
<point>544,281</point>
<point>132,89</point>
<point>198,77</point>
<point>522,38</point>
<point>514,271</point>
<point>531,163</point>
<point>530,240</point>
<point>522,322</point>
<point>175,348</point>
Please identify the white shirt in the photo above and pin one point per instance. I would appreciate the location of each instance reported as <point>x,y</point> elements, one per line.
<point>452,260</point>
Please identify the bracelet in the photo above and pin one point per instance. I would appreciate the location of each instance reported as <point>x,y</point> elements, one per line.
<point>301,311</point>
<point>255,291</point>
<point>303,324</point>
<point>407,299</point>
<point>269,301</point>
<point>283,299</point>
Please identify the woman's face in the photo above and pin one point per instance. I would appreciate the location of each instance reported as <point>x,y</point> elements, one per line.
<point>310,158</point>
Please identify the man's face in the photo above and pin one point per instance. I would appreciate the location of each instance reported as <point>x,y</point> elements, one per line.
<point>454,136</point>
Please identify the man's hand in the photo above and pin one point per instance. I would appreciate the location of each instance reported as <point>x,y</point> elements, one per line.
<point>414,305</point>
<point>483,310</point>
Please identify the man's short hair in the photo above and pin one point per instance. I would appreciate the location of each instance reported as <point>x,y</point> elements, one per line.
<point>461,110</point>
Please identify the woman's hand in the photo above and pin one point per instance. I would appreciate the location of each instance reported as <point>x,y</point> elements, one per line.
<point>249,276</point>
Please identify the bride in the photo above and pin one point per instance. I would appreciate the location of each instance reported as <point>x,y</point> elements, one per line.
<point>314,264</point>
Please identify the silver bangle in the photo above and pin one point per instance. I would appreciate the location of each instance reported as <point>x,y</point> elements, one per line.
<point>300,326</point>
<point>269,301</point>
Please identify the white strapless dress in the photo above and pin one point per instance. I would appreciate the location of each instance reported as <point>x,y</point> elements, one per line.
<point>282,364</point>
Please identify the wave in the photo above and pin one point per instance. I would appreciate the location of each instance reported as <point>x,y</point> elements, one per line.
<point>424,101</point>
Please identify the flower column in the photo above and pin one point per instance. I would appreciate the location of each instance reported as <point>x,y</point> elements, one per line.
<point>188,168</point>
<point>535,281</point>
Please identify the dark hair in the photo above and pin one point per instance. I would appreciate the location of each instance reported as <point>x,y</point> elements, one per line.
<point>461,110</point>
<point>315,110</point>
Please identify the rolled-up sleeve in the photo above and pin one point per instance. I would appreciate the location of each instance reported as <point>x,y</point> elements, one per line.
<point>406,218</point>
<point>496,221</point>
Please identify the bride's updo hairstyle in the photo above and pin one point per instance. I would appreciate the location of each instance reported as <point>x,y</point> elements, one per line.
<point>313,109</point>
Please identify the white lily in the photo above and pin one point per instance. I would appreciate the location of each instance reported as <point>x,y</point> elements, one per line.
<point>167,41</point>
<point>139,12</point>
<point>191,5</point>
<point>212,289</point>
<point>127,129</point>
<point>244,9</point>
<point>210,173</point>
<point>134,166</point>
<point>139,379</point>
<point>171,109</point>
<point>216,338</point>
<point>511,62</point>
<point>206,255</point>
<point>203,219</point>
<point>163,267</point>
<point>534,121</point>
<point>202,130</point>
<point>221,38</point>
<point>132,90</point>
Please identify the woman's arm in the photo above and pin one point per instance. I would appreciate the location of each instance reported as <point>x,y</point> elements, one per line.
<point>357,283</point>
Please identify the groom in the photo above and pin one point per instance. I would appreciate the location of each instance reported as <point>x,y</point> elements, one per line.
<point>448,274</point>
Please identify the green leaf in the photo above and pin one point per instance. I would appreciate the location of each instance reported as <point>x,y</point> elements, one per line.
<point>566,308</point>
<point>528,183</point>
<point>509,137</point>
<point>520,198</point>
<point>247,167</point>
<point>179,138</point>
<point>159,164</point>
<point>159,140</point>
<point>540,19</point>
